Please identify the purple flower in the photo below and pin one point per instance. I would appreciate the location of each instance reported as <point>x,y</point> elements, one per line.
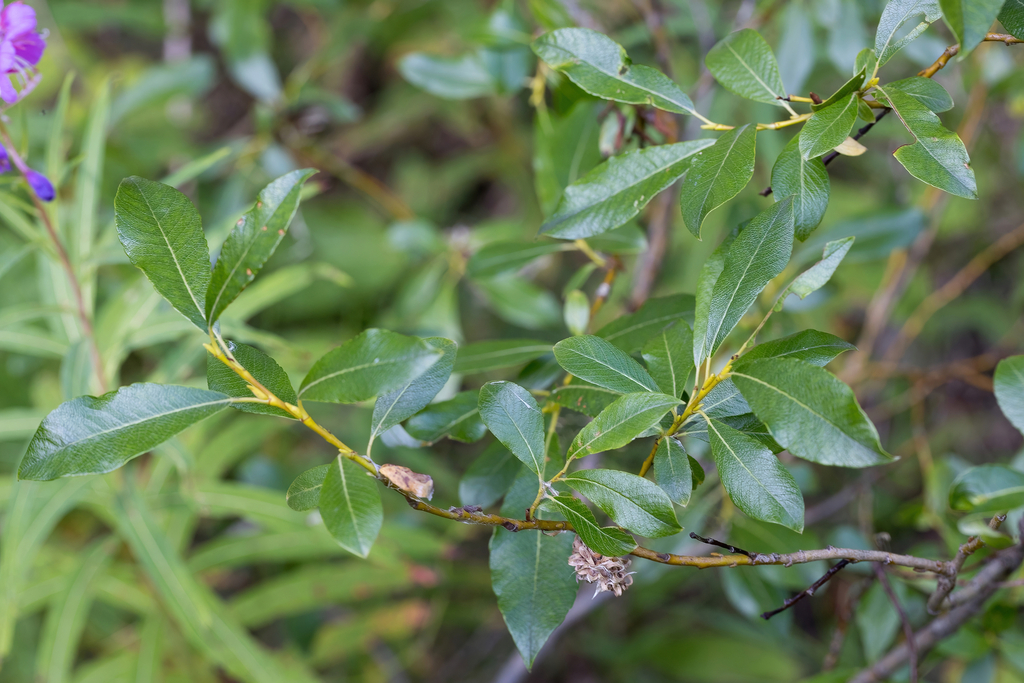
<point>5,162</point>
<point>21,48</point>
<point>40,185</point>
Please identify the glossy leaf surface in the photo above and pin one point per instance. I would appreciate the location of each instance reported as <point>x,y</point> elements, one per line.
<point>621,422</point>
<point>350,506</point>
<point>810,412</point>
<point>635,503</point>
<point>512,415</point>
<point>374,362</point>
<point>717,174</point>
<point>600,66</point>
<point>755,479</point>
<point>162,234</point>
<point>90,435</point>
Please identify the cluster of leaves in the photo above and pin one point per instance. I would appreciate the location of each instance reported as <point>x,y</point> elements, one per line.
<point>671,378</point>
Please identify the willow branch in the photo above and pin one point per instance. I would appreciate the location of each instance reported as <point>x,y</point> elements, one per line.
<point>809,591</point>
<point>953,50</point>
<point>948,582</point>
<point>989,581</point>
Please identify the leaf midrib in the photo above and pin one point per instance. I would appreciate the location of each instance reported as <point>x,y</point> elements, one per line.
<point>642,386</point>
<point>362,366</point>
<point>615,76</point>
<point>752,72</point>
<point>127,425</point>
<point>754,477</point>
<point>174,256</point>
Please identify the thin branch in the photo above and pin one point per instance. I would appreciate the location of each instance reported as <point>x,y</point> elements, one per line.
<point>715,542</point>
<point>65,262</point>
<point>948,582</point>
<point>952,51</point>
<point>811,590</point>
<point>989,581</point>
<point>908,629</point>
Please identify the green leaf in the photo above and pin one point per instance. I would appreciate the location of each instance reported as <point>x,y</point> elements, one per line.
<point>924,90</point>
<point>162,234</point>
<point>745,423</point>
<point>1012,17</point>
<point>375,362</point>
<point>717,175</point>
<point>304,493</point>
<point>597,361</point>
<point>706,279</point>
<point>1009,388</point>
<point>851,86</point>
<point>805,179</point>
<point>987,488</point>
<point>350,506</point>
<point>938,158</point>
<point>758,254</point>
<point>755,479</point>
<point>815,277</point>
<point>265,369</point>
<point>405,401</point>
<point>669,358</point>
<point>635,503</point>
<point>970,20</point>
<point>810,346</point>
<point>626,418</point>
<point>828,127</point>
<point>512,415</point>
<point>865,61</point>
<point>493,355</point>
<point>810,412</point>
<point>894,16</point>
<point>453,78</point>
<point>745,65</point>
<point>583,397</point>
<point>534,586</point>
<point>503,257</point>
<point>489,476</point>
<point>617,190</point>
<point>458,418</point>
<point>521,302</point>
<point>600,66</point>
<point>630,332</point>
<point>608,541</point>
<point>91,435</point>
<point>576,312</point>
<point>253,240</point>
<point>672,470</point>
<point>625,239</point>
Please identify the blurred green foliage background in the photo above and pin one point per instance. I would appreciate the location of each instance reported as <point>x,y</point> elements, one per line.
<point>232,93</point>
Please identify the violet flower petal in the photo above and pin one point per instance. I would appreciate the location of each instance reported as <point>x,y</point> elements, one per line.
<point>7,92</point>
<point>5,162</point>
<point>17,18</point>
<point>29,47</point>
<point>40,185</point>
